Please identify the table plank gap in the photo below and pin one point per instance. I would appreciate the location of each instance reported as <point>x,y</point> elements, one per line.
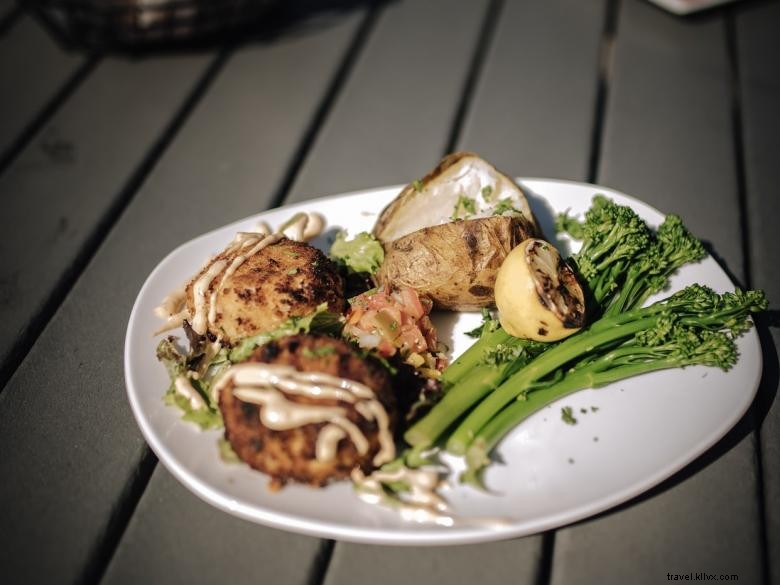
<point>120,516</point>
<point>756,47</point>
<point>546,556</point>
<point>12,356</point>
<point>606,51</point>
<point>323,110</point>
<point>321,562</point>
<point>486,36</point>
<point>37,97</point>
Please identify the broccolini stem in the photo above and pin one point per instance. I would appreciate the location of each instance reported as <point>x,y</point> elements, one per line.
<point>473,356</point>
<point>498,427</point>
<point>459,398</point>
<point>572,348</point>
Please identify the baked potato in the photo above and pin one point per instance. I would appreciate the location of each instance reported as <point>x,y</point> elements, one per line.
<point>462,186</point>
<point>455,264</point>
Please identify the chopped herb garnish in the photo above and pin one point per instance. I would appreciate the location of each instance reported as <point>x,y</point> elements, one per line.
<point>417,184</point>
<point>594,408</point>
<point>292,271</point>
<point>505,205</point>
<point>502,354</point>
<point>487,191</point>
<point>464,207</point>
<point>567,416</point>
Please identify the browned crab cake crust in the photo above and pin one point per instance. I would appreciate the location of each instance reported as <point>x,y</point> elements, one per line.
<point>283,280</point>
<point>290,455</point>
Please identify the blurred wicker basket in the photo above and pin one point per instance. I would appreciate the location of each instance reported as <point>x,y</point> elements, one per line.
<point>141,23</point>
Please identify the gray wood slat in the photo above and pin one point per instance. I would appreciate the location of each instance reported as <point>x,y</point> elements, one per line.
<point>392,118</point>
<point>498,563</point>
<point>668,141</point>
<point>228,161</point>
<point>533,110</point>
<point>69,177</point>
<point>55,195</point>
<point>32,69</point>
<point>176,538</point>
<point>758,45</point>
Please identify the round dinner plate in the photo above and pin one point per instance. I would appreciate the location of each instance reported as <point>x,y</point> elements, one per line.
<point>629,436</point>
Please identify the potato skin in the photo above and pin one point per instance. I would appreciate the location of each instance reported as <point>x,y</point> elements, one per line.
<point>455,264</point>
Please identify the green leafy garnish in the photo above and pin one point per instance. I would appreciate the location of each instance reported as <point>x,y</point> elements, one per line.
<point>487,192</point>
<point>319,321</point>
<point>505,205</point>
<point>363,253</point>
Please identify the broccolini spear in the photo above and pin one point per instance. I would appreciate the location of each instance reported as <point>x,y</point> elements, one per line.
<point>672,247</point>
<point>668,344</point>
<point>612,235</point>
<point>695,306</point>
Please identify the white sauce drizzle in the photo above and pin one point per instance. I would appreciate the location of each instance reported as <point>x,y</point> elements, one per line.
<point>199,290</point>
<point>301,227</point>
<point>269,384</point>
<point>173,310</point>
<point>183,386</point>
<point>420,504</point>
<point>328,441</point>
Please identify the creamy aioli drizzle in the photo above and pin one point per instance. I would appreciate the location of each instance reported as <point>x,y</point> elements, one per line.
<point>420,504</point>
<point>173,310</point>
<point>183,386</point>
<point>269,385</point>
<point>301,227</point>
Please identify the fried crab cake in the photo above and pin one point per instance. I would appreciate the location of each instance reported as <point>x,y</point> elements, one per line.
<point>282,280</point>
<point>323,442</point>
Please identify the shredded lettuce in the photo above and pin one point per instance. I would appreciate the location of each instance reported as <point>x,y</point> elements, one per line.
<point>319,321</point>
<point>204,365</point>
<point>363,253</point>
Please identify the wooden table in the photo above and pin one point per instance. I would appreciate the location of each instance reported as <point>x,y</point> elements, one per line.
<point>108,162</point>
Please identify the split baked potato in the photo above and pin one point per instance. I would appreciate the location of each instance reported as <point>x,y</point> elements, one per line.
<point>455,264</point>
<point>447,235</point>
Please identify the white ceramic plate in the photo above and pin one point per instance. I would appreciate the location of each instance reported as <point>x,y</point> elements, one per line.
<point>644,429</point>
